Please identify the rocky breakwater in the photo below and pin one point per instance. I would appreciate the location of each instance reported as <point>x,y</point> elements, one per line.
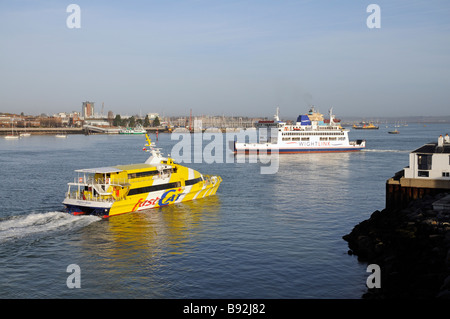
<point>410,245</point>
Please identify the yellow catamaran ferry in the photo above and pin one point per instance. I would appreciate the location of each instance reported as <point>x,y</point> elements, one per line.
<point>109,191</point>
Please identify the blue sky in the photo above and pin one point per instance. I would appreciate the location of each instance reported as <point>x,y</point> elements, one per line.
<point>226,57</point>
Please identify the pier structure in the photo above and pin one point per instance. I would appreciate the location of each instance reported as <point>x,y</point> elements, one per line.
<point>43,130</point>
<point>428,173</point>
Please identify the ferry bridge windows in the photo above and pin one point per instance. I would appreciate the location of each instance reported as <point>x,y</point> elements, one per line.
<point>445,174</point>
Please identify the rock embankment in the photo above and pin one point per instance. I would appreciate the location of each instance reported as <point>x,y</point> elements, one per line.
<point>412,248</point>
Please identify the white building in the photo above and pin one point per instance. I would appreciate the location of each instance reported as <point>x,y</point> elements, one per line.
<point>152,116</point>
<point>431,161</point>
<point>428,173</point>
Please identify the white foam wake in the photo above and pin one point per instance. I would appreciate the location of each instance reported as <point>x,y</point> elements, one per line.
<point>41,223</point>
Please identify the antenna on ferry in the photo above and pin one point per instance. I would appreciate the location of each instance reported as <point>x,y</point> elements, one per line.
<point>276,115</point>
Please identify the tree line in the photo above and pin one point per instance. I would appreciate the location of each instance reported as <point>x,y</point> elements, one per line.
<point>132,121</point>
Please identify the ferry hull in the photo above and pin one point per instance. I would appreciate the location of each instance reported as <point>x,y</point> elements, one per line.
<point>86,210</point>
<point>241,148</point>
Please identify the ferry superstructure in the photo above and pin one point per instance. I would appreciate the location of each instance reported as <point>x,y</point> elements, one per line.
<point>109,191</point>
<point>310,134</point>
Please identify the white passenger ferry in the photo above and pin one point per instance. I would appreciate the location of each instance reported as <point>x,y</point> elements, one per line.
<point>310,133</point>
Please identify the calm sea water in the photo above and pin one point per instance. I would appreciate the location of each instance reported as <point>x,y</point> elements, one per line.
<point>262,236</point>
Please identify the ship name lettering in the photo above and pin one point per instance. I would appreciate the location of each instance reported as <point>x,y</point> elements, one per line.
<point>144,203</point>
<point>166,200</point>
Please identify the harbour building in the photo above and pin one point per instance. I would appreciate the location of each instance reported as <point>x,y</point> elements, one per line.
<point>428,173</point>
<point>87,109</point>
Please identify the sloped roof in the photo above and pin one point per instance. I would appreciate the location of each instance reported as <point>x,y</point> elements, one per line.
<point>432,148</point>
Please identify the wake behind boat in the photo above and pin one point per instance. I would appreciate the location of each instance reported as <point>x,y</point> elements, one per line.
<point>109,191</point>
<point>311,133</point>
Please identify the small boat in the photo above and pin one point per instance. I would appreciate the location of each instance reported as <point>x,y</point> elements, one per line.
<point>13,135</point>
<point>394,132</point>
<point>365,126</point>
<point>25,133</point>
<point>114,190</point>
<point>137,130</point>
<point>61,135</point>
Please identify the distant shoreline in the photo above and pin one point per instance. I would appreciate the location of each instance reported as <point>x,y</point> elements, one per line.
<point>65,130</point>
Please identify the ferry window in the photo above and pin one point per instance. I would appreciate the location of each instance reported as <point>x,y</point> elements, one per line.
<point>296,138</point>
<point>193,181</point>
<point>142,174</point>
<point>286,138</point>
<point>324,138</point>
<point>154,188</point>
<point>305,138</point>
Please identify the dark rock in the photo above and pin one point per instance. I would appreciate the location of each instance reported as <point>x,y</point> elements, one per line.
<point>411,246</point>
<point>444,294</point>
